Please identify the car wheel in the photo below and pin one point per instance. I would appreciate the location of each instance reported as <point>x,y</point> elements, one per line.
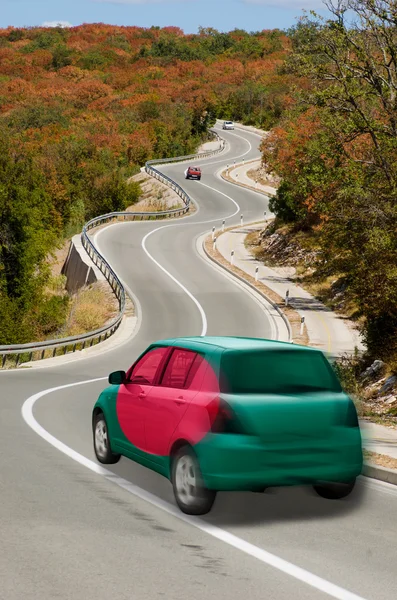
<point>192,497</point>
<point>102,447</point>
<point>334,491</point>
<point>199,178</point>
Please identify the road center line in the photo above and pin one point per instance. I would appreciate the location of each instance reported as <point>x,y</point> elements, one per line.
<point>151,257</point>
<point>228,538</point>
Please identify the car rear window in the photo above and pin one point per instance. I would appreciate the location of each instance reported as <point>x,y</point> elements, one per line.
<point>276,372</point>
<point>195,169</point>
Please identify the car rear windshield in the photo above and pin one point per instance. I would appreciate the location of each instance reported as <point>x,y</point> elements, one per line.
<point>276,372</point>
<point>195,169</point>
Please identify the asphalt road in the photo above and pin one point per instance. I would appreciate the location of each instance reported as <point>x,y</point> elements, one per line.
<point>71,529</point>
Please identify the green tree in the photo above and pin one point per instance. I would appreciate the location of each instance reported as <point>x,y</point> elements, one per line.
<point>61,57</point>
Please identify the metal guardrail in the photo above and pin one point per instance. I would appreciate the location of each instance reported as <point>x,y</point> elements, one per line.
<point>20,353</point>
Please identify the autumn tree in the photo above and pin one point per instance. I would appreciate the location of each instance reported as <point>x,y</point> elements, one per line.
<point>345,175</point>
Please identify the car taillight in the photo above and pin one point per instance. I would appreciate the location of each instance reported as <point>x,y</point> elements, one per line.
<point>222,418</point>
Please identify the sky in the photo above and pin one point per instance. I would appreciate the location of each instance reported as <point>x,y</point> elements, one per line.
<point>224,15</point>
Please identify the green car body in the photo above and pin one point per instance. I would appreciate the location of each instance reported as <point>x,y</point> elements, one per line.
<point>285,419</point>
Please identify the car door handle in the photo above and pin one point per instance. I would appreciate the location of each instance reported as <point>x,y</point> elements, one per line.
<point>142,395</point>
<point>180,401</point>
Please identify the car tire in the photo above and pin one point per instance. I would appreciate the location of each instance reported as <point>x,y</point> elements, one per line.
<point>334,491</point>
<point>198,178</point>
<point>102,447</point>
<point>191,495</point>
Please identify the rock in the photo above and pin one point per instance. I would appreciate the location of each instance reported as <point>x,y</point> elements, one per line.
<point>390,400</point>
<point>374,369</point>
<point>389,384</point>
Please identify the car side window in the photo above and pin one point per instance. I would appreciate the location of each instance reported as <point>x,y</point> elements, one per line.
<point>193,370</point>
<point>146,369</point>
<point>178,369</point>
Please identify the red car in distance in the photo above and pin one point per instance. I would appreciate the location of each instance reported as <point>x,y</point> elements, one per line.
<point>193,173</point>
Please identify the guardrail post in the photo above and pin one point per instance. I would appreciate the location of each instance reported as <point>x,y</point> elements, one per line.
<point>54,352</point>
<point>3,362</point>
<point>302,324</point>
<point>287,298</point>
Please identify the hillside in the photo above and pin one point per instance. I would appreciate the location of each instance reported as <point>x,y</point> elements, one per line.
<point>81,109</point>
<point>335,150</point>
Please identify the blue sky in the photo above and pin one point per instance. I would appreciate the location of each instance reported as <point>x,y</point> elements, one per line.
<point>224,15</point>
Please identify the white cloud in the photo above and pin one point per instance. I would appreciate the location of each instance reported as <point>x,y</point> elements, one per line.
<point>56,24</point>
<point>296,4</point>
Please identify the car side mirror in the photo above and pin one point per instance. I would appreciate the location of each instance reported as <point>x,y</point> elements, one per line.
<point>117,377</point>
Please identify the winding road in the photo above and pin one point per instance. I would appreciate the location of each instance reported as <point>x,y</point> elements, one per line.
<point>71,529</point>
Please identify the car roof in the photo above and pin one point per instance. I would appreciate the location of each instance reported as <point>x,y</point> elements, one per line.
<point>232,343</point>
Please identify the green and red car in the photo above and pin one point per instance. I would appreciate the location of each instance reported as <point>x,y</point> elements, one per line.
<point>229,413</point>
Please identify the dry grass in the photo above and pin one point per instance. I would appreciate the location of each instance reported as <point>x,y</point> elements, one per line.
<point>227,177</point>
<point>92,307</point>
<point>291,314</point>
<point>58,260</point>
<point>380,459</point>
<point>261,177</point>
<point>156,196</point>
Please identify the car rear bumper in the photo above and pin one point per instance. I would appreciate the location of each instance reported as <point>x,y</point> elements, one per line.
<point>238,462</point>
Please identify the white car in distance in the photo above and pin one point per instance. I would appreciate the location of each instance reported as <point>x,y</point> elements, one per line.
<point>228,125</point>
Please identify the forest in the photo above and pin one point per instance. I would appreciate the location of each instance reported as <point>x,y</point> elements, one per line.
<point>82,109</point>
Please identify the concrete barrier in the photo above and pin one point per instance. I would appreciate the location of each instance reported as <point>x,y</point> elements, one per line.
<point>78,268</point>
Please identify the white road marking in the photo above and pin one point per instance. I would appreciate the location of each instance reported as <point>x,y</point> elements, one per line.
<point>151,257</point>
<point>207,164</point>
<point>175,280</point>
<point>260,301</point>
<point>196,302</point>
<point>228,538</point>
<point>226,196</point>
